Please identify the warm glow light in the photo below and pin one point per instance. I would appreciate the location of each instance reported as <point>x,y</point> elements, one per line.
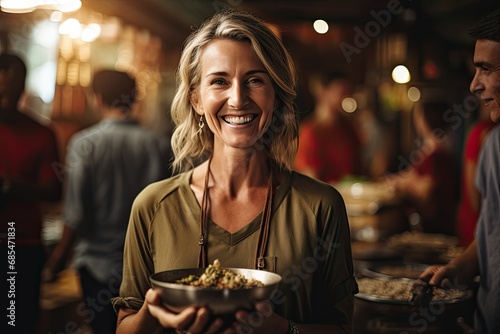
<point>320,26</point>
<point>71,27</point>
<point>84,52</point>
<point>26,6</point>
<point>91,32</point>
<point>73,73</point>
<point>45,33</point>
<point>17,6</point>
<point>56,16</point>
<point>400,74</point>
<point>349,104</point>
<point>357,189</point>
<point>413,94</point>
<point>44,74</point>
<point>69,5</point>
<point>85,74</point>
<point>111,28</point>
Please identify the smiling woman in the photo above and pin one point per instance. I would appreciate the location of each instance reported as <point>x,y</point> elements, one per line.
<point>235,106</point>
<point>274,68</point>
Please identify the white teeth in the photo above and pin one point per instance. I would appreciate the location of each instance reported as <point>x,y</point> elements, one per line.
<point>238,120</point>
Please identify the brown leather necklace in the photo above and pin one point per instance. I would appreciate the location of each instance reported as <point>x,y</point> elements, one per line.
<point>265,225</point>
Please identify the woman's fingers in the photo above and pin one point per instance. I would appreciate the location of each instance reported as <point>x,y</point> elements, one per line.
<point>153,297</point>
<point>202,316</point>
<point>191,319</point>
<point>265,308</point>
<point>166,318</point>
<point>215,327</point>
<point>261,319</point>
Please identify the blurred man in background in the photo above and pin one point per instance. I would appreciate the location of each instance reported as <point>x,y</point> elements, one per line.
<point>107,165</point>
<point>28,150</point>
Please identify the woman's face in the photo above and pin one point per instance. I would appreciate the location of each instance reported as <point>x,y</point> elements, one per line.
<point>236,95</point>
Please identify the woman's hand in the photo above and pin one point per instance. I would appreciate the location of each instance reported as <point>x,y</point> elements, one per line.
<point>261,320</point>
<point>192,320</point>
<point>197,320</point>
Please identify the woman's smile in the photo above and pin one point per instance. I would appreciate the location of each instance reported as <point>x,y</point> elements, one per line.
<point>239,120</point>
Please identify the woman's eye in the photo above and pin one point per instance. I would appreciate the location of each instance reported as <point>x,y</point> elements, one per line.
<point>217,82</point>
<point>255,81</point>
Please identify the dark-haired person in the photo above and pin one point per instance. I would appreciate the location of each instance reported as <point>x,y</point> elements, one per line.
<point>27,151</point>
<point>108,164</point>
<point>429,185</point>
<point>482,257</point>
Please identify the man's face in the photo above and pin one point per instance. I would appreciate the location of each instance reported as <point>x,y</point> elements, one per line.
<point>486,81</point>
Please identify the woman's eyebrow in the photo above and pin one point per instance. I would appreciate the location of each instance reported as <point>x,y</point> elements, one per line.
<point>217,73</point>
<point>222,73</point>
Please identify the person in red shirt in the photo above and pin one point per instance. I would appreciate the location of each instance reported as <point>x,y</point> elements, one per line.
<point>428,185</point>
<point>28,152</point>
<point>329,147</point>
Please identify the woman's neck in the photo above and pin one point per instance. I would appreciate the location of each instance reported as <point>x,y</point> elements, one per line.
<point>233,172</point>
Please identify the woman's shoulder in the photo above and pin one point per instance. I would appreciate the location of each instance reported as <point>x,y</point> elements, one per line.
<point>156,192</point>
<point>314,190</point>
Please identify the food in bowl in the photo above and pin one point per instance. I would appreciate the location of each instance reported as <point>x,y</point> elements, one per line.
<point>177,296</point>
<point>220,278</point>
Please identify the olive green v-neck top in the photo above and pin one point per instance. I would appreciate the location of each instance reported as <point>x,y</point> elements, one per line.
<point>309,245</point>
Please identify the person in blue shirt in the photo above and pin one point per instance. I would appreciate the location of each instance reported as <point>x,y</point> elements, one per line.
<point>107,165</point>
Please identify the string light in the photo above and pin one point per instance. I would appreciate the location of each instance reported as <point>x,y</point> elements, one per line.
<point>400,74</point>
<point>26,6</point>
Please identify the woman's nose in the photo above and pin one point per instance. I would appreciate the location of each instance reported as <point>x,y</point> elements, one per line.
<point>238,97</point>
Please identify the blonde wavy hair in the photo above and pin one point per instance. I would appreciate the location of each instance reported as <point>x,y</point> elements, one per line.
<point>280,140</point>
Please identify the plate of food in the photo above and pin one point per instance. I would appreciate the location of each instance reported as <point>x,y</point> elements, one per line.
<point>396,296</point>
